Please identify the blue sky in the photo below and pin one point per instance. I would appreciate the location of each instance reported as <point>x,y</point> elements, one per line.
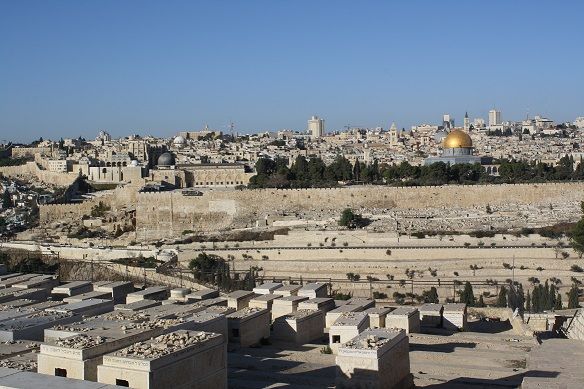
<point>70,68</point>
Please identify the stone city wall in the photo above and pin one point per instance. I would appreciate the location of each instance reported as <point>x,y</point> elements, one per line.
<point>31,170</point>
<point>117,199</point>
<point>171,212</point>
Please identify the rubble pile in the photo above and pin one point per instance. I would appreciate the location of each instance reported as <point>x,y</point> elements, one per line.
<point>164,345</point>
<point>80,342</point>
<point>370,342</point>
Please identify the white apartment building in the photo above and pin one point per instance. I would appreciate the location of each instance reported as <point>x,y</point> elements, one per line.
<point>316,127</point>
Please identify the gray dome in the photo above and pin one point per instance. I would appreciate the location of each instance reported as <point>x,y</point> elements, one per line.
<point>166,159</point>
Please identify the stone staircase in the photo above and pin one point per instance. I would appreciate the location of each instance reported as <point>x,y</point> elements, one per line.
<point>576,326</point>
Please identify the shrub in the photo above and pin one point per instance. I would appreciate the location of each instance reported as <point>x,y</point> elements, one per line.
<point>399,298</point>
<point>576,268</point>
<point>379,295</point>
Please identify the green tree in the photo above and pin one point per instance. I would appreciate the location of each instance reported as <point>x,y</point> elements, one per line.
<point>347,218</point>
<point>502,299</point>
<point>357,170</point>
<point>6,200</point>
<point>481,302</point>
<point>467,295</point>
<point>430,296</point>
<point>573,297</point>
<point>577,236</point>
<point>558,304</point>
<point>528,302</point>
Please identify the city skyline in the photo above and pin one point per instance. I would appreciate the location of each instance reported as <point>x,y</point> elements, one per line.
<point>74,69</point>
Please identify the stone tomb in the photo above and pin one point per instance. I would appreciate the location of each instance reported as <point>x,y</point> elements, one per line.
<point>20,310</point>
<point>31,327</point>
<point>267,288</point>
<point>263,301</point>
<point>14,293</point>
<point>286,305</point>
<point>287,290</point>
<point>333,315</point>
<point>347,326</point>
<point>71,289</point>
<point>88,296</point>
<point>376,359</point>
<point>203,294</point>
<point>364,303</point>
<point>137,305</point>
<point>181,359</point>
<point>377,316</point>
<point>39,282</point>
<point>300,327</point>
<point>239,299</point>
<point>454,316</point>
<point>85,307</point>
<point>179,294</point>
<point>16,379</point>
<point>431,315</point>
<point>117,289</point>
<point>248,326</point>
<point>324,304</point>
<point>406,318</point>
<point>10,279</point>
<point>313,290</point>
<point>76,350</point>
<point>152,293</point>
<point>210,321</point>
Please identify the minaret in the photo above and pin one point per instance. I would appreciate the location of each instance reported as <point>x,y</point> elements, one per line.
<point>393,135</point>
<point>466,122</point>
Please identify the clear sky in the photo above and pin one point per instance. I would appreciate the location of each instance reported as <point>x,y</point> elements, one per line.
<point>70,68</point>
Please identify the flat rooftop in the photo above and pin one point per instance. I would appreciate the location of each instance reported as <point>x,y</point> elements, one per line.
<point>350,319</point>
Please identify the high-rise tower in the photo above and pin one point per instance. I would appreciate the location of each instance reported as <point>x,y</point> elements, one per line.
<point>316,127</point>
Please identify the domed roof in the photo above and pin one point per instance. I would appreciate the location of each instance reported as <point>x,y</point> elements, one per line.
<point>457,139</point>
<point>166,159</point>
<point>179,140</point>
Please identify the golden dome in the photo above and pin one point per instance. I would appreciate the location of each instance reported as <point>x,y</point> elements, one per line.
<point>457,139</point>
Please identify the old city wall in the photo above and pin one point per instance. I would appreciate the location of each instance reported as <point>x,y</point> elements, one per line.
<point>31,170</point>
<point>117,199</point>
<point>57,212</point>
<point>163,214</point>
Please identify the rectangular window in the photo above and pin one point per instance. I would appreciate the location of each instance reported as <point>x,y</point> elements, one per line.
<point>60,372</point>
<point>336,338</point>
<point>235,332</point>
<point>123,383</point>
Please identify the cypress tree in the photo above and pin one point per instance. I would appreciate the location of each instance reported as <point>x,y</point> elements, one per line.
<point>573,297</point>
<point>558,303</point>
<point>528,302</point>
<point>467,295</point>
<point>502,299</point>
<point>552,297</point>
<point>481,302</point>
<point>357,170</point>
